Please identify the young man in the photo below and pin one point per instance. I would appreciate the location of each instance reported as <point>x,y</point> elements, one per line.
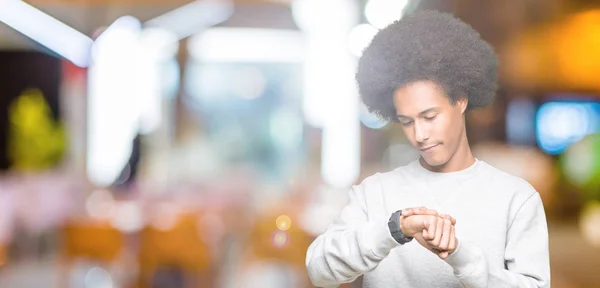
<point>426,71</point>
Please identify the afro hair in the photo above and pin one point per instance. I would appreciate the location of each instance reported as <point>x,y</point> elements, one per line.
<point>427,46</point>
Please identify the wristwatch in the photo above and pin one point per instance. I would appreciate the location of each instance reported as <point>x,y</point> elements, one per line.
<point>394,226</point>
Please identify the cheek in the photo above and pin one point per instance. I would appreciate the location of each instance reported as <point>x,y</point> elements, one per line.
<point>408,132</point>
<point>451,130</point>
<point>445,130</point>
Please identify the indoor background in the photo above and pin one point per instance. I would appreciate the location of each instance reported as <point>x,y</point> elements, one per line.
<point>177,143</point>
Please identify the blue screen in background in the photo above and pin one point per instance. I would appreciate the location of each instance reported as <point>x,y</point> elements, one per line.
<point>562,123</point>
<point>520,122</point>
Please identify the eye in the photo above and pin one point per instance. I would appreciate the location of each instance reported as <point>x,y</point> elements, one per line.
<point>430,118</point>
<point>406,123</point>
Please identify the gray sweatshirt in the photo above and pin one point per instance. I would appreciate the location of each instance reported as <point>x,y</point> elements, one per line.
<point>501,229</point>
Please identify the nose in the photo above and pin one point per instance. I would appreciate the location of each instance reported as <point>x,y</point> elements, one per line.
<point>421,135</point>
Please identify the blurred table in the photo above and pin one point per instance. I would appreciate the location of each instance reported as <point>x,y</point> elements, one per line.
<point>574,262</point>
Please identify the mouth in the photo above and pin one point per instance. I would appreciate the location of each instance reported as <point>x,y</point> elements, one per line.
<point>429,148</point>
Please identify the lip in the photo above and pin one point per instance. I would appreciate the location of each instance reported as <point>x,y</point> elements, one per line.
<point>429,148</point>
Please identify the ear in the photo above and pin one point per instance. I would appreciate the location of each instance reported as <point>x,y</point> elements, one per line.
<point>462,103</point>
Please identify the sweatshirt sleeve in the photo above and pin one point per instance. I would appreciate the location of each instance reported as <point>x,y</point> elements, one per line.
<point>527,261</point>
<point>351,246</point>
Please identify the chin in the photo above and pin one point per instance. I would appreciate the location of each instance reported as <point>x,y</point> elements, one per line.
<point>434,161</point>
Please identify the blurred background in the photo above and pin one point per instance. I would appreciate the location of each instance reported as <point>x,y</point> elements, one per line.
<point>155,143</point>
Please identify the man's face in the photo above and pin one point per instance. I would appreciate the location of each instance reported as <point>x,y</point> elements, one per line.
<point>432,124</point>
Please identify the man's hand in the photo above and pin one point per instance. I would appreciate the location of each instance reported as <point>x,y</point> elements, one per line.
<point>415,220</point>
<point>425,211</point>
<point>442,245</point>
<point>433,231</point>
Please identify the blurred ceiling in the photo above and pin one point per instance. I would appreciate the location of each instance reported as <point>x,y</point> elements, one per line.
<point>518,29</point>
<point>87,16</point>
<point>496,20</point>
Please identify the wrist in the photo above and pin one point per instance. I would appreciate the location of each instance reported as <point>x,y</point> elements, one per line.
<point>403,228</point>
<point>396,229</point>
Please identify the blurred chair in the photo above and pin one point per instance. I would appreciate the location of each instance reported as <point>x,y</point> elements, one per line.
<point>3,254</point>
<point>267,242</point>
<point>88,240</point>
<point>95,240</point>
<point>176,248</point>
<point>277,251</point>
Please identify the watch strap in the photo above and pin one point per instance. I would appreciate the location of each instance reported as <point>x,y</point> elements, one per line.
<point>395,230</point>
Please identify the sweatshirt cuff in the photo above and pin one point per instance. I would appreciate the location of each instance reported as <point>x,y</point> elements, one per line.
<point>379,239</point>
<point>465,258</point>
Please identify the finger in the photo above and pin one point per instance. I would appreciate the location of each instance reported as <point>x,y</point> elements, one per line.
<point>443,254</point>
<point>430,227</point>
<point>445,241</point>
<point>446,216</point>
<point>418,211</point>
<point>425,232</point>
<point>438,232</point>
<point>453,243</point>
<point>425,211</point>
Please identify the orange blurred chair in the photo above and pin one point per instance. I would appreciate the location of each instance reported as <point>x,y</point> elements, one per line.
<point>96,240</point>
<point>3,255</point>
<point>180,246</point>
<point>276,241</point>
<point>289,246</point>
<point>92,240</point>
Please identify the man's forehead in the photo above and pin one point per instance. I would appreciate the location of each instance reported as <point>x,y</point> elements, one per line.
<point>418,98</point>
<point>422,112</point>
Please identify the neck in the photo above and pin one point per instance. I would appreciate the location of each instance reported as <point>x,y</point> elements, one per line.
<point>461,159</point>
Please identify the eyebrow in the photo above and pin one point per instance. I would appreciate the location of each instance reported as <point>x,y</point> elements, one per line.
<point>433,109</point>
